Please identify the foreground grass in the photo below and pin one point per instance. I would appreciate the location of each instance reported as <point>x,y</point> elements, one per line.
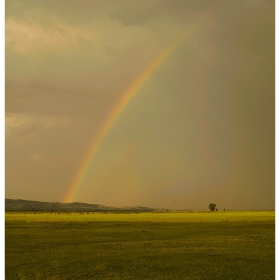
<point>223,245</point>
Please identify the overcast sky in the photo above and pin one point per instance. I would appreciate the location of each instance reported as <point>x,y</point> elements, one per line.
<point>199,130</point>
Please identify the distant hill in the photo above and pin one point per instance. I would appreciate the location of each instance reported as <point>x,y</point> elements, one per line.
<point>30,205</point>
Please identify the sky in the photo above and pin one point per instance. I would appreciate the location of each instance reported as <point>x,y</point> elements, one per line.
<point>197,129</point>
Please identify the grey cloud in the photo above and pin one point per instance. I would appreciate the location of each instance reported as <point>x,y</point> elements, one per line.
<point>27,129</point>
<point>193,6</point>
<point>49,11</point>
<point>36,157</point>
<point>131,13</point>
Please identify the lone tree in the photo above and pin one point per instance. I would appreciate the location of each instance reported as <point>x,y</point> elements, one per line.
<point>212,206</point>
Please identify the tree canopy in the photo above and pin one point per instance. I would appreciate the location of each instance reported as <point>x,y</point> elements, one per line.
<point>212,206</point>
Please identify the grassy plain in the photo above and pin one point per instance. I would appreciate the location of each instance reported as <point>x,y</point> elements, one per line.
<point>217,245</point>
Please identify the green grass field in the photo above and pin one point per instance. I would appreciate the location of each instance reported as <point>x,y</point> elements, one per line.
<point>217,245</point>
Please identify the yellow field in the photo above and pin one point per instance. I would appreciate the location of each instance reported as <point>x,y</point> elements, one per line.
<point>217,245</point>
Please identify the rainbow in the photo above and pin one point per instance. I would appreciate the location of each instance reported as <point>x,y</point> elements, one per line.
<point>114,115</point>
